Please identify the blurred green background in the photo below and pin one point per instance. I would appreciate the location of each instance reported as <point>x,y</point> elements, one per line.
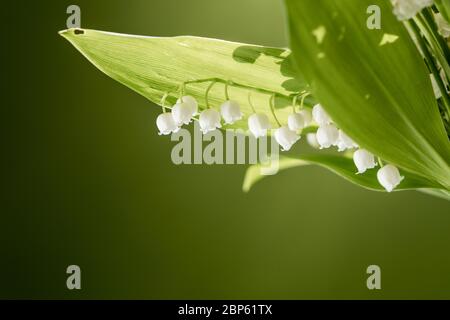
<point>88,181</point>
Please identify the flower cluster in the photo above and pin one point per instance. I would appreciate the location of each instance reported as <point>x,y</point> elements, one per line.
<point>329,135</point>
<point>406,9</point>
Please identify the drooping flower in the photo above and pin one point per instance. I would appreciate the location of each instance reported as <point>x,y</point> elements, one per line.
<point>166,124</point>
<point>307,116</point>
<point>389,177</point>
<point>320,115</point>
<point>209,120</point>
<point>231,111</point>
<point>364,160</point>
<point>191,102</point>
<point>182,113</point>
<point>311,138</point>
<point>296,122</point>
<point>258,124</point>
<point>443,26</point>
<point>345,142</point>
<point>286,137</point>
<point>406,9</point>
<point>327,135</point>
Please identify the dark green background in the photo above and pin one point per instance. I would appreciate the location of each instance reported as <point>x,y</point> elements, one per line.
<point>88,181</point>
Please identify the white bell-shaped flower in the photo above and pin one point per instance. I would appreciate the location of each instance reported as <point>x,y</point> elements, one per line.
<point>311,138</point>
<point>320,115</point>
<point>296,122</point>
<point>389,177</point>
<point>307,116</point>
<point>364,160</point>
<point>258,124</point>
<point>230,111</point>
<point>209,120</point>
<point>165,123</point>
<point>327,136</point>
<point>181,113</point>
<point>286,137</point>
<point>345,142</point>
<point>191,102</point>
<point>406,9</point>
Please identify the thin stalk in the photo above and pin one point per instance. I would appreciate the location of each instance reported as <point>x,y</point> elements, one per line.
<point>227,96</point>
<point>272,108</point>
<point>250,101</point>
<point>163,102</point>
<point>207,92</point>
<point>431,64</point>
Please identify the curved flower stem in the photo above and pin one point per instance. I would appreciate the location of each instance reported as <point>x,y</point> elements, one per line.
<point>163,101</point>
<point>303,100</point>
<point>250,101</point>
<point>207,92</point>
<point>380,162</point>
<point>272,108</point>
<point>294,103</point>
<point>227,96</point>
<point>431,64</point>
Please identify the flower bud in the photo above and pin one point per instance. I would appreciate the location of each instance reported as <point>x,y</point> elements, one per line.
<point>165,123</point>
<point>231,111</point>
<point>327,136</point>
<point>320,116</point>
<point>363,160</point>
<point>296,122</point>
<point>389,177</point>
<point>307,116</point>
<point>191,102</point>
<point>258,123</point>
<point>209,120</point>
<point>286,138</point>
<point>182,113</point>
<point>345,142</point>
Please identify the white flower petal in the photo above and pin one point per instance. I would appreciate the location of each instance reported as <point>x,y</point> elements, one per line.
<point>209,120</point>
<point>311,138</point>
<point>406,9</point>
<point>364,160</point>
<point>182,113</point>
<point>320,116</point>
<point>327,136</point>
<point>296,122</point>
<point>345,142</point>
<point>286,137</point>
<point>191,102</point>
<point>230,111</point>
<point>258,124</point>
<point>389,177</point>
<point>165,123</point>
<point>307,116</point>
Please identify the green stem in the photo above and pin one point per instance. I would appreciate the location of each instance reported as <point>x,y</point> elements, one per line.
<point>227,96</point>
<point>431,64</point>
<point>163,101</point>
<point>272,108</point>
<point>250,101</point>
<point>207,92</point>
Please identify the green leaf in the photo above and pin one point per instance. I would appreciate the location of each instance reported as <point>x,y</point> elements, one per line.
<point>342,166</point>
<point>444,8</point>
<point>153,66</point>
<point>373,83</point>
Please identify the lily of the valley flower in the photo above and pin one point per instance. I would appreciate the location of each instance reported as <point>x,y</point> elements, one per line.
<point>182,113</point>
<point>311,138</point>
<point>345,142</point>
<point>296,122</point>
<point>166,124</point>
<point>389,177</point>
<point>231,111</point>
<point>191,102</point>
<point>286,137</point>
<point>364,160</point>
<point>406,9</point>
<point>209,120</point>
<point>258,124</point>
<point>307,116</point>
<point>320,116</point>
<point>327,136</point>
